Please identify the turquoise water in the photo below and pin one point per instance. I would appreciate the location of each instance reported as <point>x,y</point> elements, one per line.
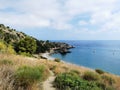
<point>104,55</point>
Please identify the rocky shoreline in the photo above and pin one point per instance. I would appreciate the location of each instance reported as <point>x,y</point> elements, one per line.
<point>46,56</point>
<point>62,48</point>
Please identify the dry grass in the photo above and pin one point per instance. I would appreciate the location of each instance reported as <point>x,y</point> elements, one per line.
<point>7,71</point>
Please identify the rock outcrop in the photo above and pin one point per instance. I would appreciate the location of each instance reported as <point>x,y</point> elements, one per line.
<point>62,48</point>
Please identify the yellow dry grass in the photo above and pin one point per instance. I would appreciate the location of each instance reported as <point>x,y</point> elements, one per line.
<point>56,67</point>
<point>7,81</point>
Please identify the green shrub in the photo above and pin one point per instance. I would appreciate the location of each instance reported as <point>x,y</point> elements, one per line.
<point>27,76</point>
<point>10,50</point>
<point>4,48</point>
<point>65,81</point>
<point>6,62</point>
<point>27,45</point>
<point>68,81</point>
<point>91,76</point>
<point>99,71</point>
<point>57,60</point>
<point>101,85</point>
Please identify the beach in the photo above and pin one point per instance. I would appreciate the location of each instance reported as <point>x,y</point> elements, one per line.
<point>47,55</point>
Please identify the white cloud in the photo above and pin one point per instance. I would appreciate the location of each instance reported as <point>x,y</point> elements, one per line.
<point>24,20</point>
<point>59,14</point>
<point>113,23</point>
<point>82,23</point>
<point>62,26</point>
<point>100,17</point>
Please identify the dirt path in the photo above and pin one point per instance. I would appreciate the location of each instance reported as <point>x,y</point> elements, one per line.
<point>48,84</point>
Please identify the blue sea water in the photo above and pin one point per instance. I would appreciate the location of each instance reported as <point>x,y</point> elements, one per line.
<point>100,54</point>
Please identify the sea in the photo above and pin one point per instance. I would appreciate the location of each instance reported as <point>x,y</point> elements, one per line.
<point>94,54</point>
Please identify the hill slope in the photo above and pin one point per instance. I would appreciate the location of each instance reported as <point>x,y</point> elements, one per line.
<point>16,71</point>
<point>10,35</point>
<point>13,37</point>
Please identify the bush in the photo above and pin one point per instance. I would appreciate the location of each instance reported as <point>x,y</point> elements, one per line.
<point>27,45</point>
<point>101,85</point>
<point>6,62</point>
<point>10,50</point>
<point>57,60</point>
<point>91,76</point>
<point>68,81</point>
<point>27,76</point>
<point>4,48</point>
<point>99,71</point>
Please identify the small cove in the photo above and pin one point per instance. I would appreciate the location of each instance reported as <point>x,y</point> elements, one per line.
<point>100,54</point>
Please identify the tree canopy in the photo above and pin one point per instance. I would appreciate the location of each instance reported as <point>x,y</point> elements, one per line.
<point>27,45</point>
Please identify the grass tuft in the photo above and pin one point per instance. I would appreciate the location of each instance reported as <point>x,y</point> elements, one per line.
<point>99,71</point>
<point>6,62</point>
<point>91,76</point>
<point>26,76</point>
<point>108,79</point>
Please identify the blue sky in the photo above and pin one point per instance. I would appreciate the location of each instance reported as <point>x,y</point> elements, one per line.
<point>63,19</point>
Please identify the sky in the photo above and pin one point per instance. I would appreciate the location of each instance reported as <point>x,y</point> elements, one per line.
<point>63,19</point>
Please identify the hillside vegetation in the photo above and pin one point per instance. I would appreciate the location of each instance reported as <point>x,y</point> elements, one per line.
<point>10,35</point>
<point>18,72</point>
<point>27,45</point>
<point>22,42</point>
<point>25,73</point>
<point>6,48</point>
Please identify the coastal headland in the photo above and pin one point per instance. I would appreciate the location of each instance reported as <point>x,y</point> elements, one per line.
<point>21,67</point>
